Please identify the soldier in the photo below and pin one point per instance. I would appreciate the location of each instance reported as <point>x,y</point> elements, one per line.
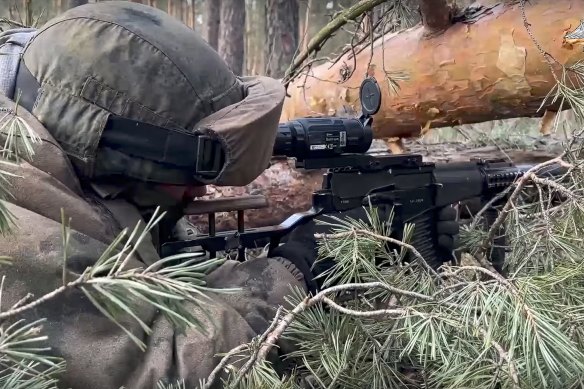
<point>115,90</point>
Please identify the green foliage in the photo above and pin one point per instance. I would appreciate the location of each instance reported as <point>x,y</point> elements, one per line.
<point>30,377</point>
<point>354,260</point>
<point>339,351</point>
<point>465,327</point>
<point>6,218</point>
<point>175,385</point>
<point>19,136</point>
<point>174,285</point>
<point>472,329</point>
<point>19,143</point>
<point>263,376</point>
<point>23,361</point>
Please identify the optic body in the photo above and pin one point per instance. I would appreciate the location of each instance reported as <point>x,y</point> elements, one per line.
<point>310,138</point>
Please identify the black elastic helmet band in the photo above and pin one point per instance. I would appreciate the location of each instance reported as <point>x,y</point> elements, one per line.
<point>200,154</point>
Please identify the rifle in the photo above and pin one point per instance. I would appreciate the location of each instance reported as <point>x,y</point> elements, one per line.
<point>355,178</point>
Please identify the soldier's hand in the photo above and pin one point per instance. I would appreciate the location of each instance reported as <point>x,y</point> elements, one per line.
<point>302,250</point>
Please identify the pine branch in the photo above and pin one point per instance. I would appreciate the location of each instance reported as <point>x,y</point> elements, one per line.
<point>275,332</point>
<point>516,332</point>
<point>529,175</point>
<point>30,376</point>
<point>41,300</point>
<point>326,32</point>
<point>208,384</point>
<point>175,385</point>
<point>20,139</point>
<point>355,233</point>
<point>115,290</point>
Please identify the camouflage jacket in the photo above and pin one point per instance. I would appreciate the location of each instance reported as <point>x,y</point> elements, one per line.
<point>98,353</point>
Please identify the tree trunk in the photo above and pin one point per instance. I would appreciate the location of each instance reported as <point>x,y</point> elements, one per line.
<point>437,14</point>
<point>213,21</point>
<point>193,14</point>
<point>58,6</point>
<point>281,35</point>
<point>303,17</point>
<point>231,45</point>
<point>179,10</point>
<point>27,10</point>
<point>255,37</point>
<point>476,70</point>
<point>75,3</point>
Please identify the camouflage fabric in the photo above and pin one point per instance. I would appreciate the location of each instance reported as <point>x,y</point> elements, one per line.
<point>98,353</point>
<point>11,44</point>
<point>138,62</point>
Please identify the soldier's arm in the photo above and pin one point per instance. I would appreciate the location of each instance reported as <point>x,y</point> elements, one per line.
<point>101,355</point>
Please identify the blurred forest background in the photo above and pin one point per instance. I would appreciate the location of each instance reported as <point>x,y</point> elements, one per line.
<point>238,29</point>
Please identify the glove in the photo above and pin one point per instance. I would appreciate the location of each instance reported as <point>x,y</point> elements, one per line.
<point>301,247</point>
<point>302,250</point>
<point>448,229</point>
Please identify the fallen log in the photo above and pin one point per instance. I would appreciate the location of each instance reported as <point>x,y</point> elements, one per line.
<point>481,67</point>
<point>288,190</point>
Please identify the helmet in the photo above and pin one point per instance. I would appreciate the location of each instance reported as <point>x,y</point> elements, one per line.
<point>129,91</point>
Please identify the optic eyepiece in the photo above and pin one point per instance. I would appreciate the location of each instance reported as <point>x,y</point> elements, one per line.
<point>322,138</point>
<point>325,137</point>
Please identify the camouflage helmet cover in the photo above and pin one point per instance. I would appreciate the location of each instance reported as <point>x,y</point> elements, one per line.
<point>137,62</point>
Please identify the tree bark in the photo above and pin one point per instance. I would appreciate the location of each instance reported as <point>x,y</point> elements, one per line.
<point>231,45</point>
<point>27,10</point>
<point>179,10</point>
<point>472,72</point>
<point>281,35</point>
<point>58,6</point>
<point>193,14</point>
<point>255,37</point>
<point>213,21</point>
